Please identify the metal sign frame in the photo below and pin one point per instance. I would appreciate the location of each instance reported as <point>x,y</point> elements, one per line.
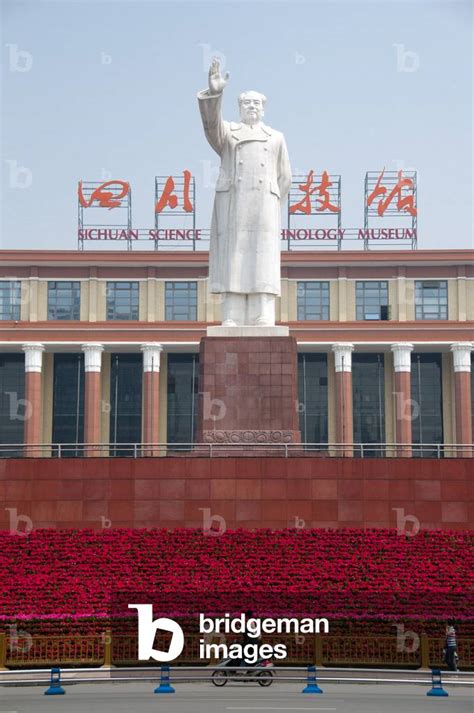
<point>390,180</point>
<point>87,188</point>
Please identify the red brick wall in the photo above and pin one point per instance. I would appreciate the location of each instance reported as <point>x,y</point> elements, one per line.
<point>246,492</point>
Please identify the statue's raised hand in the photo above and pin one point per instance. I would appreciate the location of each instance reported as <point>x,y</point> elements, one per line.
<point>217,82</point>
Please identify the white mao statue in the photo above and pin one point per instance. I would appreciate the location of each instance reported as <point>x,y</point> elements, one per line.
<point>254,179</point>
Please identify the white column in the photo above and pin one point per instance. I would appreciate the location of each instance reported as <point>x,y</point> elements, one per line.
<point>92,394</point>
<point>402,356</point>
<point>33,356</point>
<point>344,411</point>
<point>403,402</point>
<point>343,356</point>
<point>33,396</point>
<point>151,356</point>
<point>151,396</point>
<point>462,356</point>
<point>462,396</point>
<point>92,357</point>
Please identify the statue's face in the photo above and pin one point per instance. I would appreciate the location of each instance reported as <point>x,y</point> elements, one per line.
<point>251,108</point>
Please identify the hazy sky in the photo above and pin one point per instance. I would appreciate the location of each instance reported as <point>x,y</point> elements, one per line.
<point>98,89</point>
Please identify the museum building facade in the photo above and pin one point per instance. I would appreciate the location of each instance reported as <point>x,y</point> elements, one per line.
<point>102,347</point>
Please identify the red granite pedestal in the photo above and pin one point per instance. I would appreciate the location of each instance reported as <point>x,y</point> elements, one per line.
<point>248,391</point>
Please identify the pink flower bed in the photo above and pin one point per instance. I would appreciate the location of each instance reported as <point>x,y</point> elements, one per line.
<point>344,575</point>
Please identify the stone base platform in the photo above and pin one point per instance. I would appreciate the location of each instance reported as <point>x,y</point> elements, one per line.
<point>248,331</point>
<point>248,391</point>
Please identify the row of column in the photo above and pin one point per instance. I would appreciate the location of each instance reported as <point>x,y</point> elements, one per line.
<point>402,393</point>
<point>92,394</point>
<point>344,411</point>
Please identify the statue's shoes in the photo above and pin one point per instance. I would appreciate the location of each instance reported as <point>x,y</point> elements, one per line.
<point>262,322</point>
<point>229,323</point>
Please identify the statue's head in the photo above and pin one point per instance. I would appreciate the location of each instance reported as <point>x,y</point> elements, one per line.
<point>252,105</point>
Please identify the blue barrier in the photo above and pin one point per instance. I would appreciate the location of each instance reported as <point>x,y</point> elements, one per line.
<point>165,686</point>
<point>312,686</point>
<point>436,684</point>
<point>55,688</point>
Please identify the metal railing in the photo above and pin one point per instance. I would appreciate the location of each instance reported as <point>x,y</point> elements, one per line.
<point>210,450</point>
<point>329,650</point>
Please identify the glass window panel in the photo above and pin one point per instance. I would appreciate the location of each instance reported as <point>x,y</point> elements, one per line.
<point>12,394</point>
<point>181,301</point>
<point>368,390</point>
<point>10,300</point>
<point>313,397</point>
<point>122,300</point>
<point>312,300</point>
<point>68,401</point>
<point>427,396</point>
<point>64,300</point>
<point>431,299</point>
<point>371,296</point>
<point>183,371</point>
<point>125,401</point>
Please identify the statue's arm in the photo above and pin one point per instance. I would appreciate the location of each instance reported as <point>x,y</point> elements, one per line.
<point>213,124</point>
<point>284,170</point>
<point>210,101</point>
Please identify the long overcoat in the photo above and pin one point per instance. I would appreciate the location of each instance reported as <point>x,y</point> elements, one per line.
<point>254,179</point>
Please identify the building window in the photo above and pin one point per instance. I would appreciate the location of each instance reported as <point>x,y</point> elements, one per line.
<point>183,370</point>
<point>368,393</point>
<point>12,401</point>
<point>313,300</point>
<point>125,403</point>
<point>181,301</point>
<point>427,406</point>
<point>372,300</point>
<point>313,397</point>
<point>64,300</point>
<point>122,300</point>
<point>68,402</point>
<point>10,300</point>
<point>431,299</point>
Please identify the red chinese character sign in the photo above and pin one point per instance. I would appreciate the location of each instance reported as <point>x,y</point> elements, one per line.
<point>317,195</point>
<point>314,195</point>
<point>173,194</point>
<point>175,198</point>
<point>314,212</point>
<point>97,200</point>
<point>111,194</point>
<point>392,195</point>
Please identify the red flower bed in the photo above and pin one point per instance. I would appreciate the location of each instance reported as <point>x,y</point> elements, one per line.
<point>343,575</point>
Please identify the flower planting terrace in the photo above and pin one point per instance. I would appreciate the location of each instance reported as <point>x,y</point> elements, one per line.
<point>65,580</point>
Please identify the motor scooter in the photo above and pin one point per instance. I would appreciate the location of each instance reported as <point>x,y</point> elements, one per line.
<point>261,672</point>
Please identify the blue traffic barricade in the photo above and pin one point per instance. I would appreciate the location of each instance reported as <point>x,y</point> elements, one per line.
<point>312,686</point>
<point>55,688</point>
<point>436,684</point>
<point>165,686</point>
